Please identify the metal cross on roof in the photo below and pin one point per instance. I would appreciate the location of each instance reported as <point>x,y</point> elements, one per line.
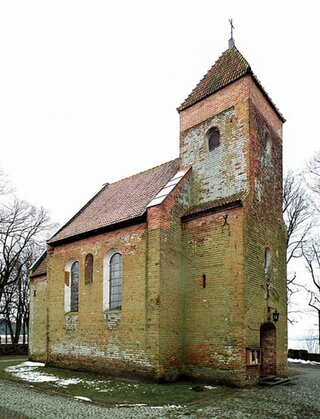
<point>231,40</point>
<point>231,27</point>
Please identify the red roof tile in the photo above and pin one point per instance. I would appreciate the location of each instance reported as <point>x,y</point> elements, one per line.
<point>230,67</point>
<point>121,201</point>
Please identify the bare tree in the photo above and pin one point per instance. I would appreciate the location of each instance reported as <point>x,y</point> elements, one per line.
<point>311,248</point>
<point>297,213</point>
<point>313,177</point>
<point>312,343</point>
<point>23,228</point>
<point>311,254</point>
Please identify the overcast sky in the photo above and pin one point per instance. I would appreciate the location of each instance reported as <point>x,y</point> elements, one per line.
<point>89,89</point>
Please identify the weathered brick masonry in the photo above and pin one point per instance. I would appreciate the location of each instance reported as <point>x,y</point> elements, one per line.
<point>202,244</point>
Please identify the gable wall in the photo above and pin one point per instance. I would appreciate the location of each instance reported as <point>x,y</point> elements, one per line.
<point>38,322</point>
<point>214,104</point>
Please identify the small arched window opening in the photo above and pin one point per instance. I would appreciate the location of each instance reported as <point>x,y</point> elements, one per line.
<point>74,285</point>
<point>268,150</point>
<point>115,282</point>
<point>213,136</point>
<point>88,272</point>
<point>267,264</point>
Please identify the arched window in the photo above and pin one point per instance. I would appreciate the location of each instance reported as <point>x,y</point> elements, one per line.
<point>74,284</point>
<point>213,136</point>
<point>115,282</point>
<point>71,286</point>
<point>88,271</point>
<point>112,295</point>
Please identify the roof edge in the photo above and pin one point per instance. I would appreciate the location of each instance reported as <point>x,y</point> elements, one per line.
<point>182,107</point>
<point>37,263</point>
<point>51,240</point>
<point>38,275</point>
<point>198,213</point>
<point>122,224</point>
<point>267,97</point>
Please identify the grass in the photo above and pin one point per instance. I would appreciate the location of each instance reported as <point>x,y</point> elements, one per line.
<point>102,389</point>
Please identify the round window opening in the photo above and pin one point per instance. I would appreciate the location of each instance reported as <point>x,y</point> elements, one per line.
<point>213,136</point>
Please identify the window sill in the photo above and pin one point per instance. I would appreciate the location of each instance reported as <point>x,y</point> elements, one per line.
<point>114,310</point>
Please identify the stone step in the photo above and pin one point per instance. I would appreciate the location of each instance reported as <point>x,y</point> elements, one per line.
<point>273,380</point>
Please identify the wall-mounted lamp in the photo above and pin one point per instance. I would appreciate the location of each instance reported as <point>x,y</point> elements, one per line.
<point>275,314</point>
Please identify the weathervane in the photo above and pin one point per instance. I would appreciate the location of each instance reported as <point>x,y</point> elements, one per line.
<point>231,40</point>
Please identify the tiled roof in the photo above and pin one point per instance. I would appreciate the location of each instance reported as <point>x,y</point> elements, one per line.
<point>118,202</point>
<point>40,266</point>
<point>216,204</point>
<point>230,67</point>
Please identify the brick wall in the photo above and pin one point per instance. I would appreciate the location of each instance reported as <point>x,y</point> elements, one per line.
<point>105,341</point>
<point>38,322</point>
<point>214,305</point>
<point>264,228</point>
<point>223,171</point>
<point>225,98</point>
<point>165,286</point>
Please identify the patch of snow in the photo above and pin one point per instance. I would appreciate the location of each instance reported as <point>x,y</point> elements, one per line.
<point>33,364</point>
<point>167,406</point>
<point>209,387</point>
<point>67,381</point>
<point>302,361</point>
<point>85,399</point>
<point>28,371</point>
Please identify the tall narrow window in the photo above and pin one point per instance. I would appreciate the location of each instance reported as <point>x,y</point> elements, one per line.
<point>74,273</point>
<point>267,263</point>
<point>115,282</point>
<point>88,272</point>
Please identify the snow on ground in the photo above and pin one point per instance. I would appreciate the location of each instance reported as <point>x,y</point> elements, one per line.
<point>171,406</point>
<point>302,361</point>
<point>85,399</point>
<point>29,371</point>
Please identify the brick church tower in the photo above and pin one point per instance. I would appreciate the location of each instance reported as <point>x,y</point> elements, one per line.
<point>231,135</point>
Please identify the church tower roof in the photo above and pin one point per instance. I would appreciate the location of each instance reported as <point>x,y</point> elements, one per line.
<point>231,66</point>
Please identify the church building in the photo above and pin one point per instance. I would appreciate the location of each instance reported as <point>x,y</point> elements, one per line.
<point>179,270</point>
